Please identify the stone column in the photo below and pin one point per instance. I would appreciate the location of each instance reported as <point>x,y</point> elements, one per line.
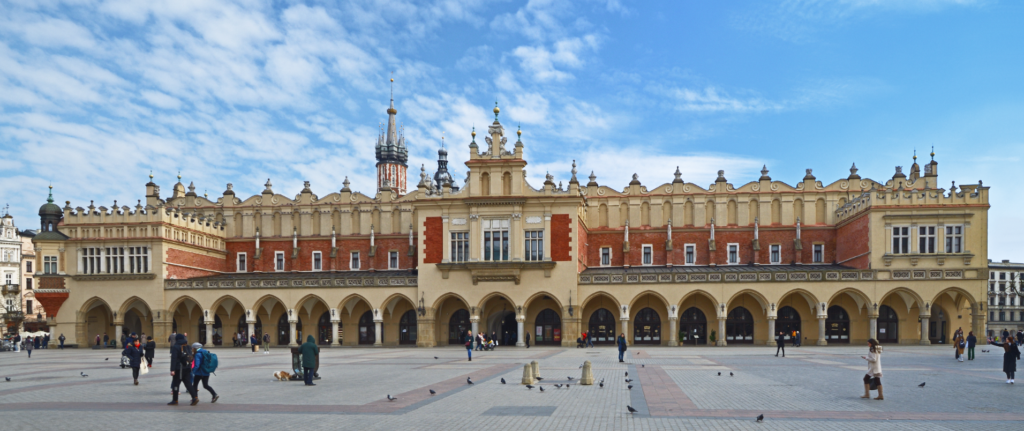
<point>475,322</point>
<point>873,327</point>
<point>771,331</point>
<point>335,341</point>
<point>625,330</point>
<point>252,330</point>
<point>924,330</point>
<point>673,336</point>
<point>822,341</point>
<point>117,333</point>
<point>519,331</point>
<point>209,334</point>
<point>721,332</point>
<point>377,335</point>
<point>291,333</point>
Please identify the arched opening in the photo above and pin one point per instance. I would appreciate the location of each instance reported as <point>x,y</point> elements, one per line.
<point>709,212</point>
<point>458,325</point>
<point>407,328</point>
<point>788,322</point>
<point>323,329</point>
<point>666,212</point>
<point>938,325</point>
<point>688,213</point>
<point>753,209</point>
<point>732,213</point>
<point>888,325</point>
<point>645,214</point>
<point>624,213</point>
<point>133,322</point>
<point>201,333</point>
<point>283,328</point>
<point>367,331</point>
<point>776,211</point>
<point>506,183</point>
<point>602,215</point>
<point>218,331</point>
<point>693,326</point>
<point>798,210</point>
<point>819,211</point>
<point>549,328</point>
<point>739,326</point>
<point>485,184</point>
<point>647,327</point>
<point>601,327</point>
<point>837,325</point>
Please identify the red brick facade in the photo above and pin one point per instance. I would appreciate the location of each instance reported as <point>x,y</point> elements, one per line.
<point>51,302</point>
<point>852,243</point>
<point>561,242</point>
<point>194,264</point>
<point>582,236</point>
<point>304,260</point>
<point>433,240</point>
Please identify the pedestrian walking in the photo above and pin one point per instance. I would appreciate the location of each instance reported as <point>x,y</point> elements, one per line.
<point>149,351</point>
<point>780,344</point>
<point>106,340</point>
<point>61,339</point>
<point>469,344</point>
<point>309,351</point>
<point>172,338</point>
<point>874,375</point>
<point>1020,337</point>
<point>17,342</point>
<point>253,343</point>
<point>797,341</point>
<point>971,342</point>
<point>266,343</point>
<point>961,345</point>
<point>97,340</point>
<point>46,341</point>
<point>28,346</point>
<point>494,337</point>
<point>134,360</point>
<point>1011,354</point>
<point>181,369</point>
<point>527,339</point>
<point>622,346</point>
<point>590,340</point>
<point>199,370</point>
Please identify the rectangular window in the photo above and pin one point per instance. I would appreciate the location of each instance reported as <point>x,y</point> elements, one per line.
<point>776,253</point>
<point>648,252</point>
<point>28,306</point>
<point>1002,276</point>
<point>926,239</point>
<point>1002,316</point>
<point>534,245</point>
<point>240,265</point>
<point>318,261</point>
<point>353,263</point>
<point>49,264</point>
<point>138,260</point>
<point>495,239</point>
<point>460,246</point>
<point>393,260</point>
<point>691,251</point>
<point>606,256</point>
<point>91,260</point>
<point>28,284</point>
<point>9,278</point>
<point>954,239</point>
<point>28,267</point>
<point>114,260</point>
<point>734,254</point>
<point>279,261</point>
<point>1011,314</point>
<point>819,253</point>
<point>900,240</point>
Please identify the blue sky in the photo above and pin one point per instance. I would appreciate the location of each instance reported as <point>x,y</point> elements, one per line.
<point>95,94</point>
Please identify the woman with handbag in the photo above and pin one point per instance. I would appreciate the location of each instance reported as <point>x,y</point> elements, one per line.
<point>873,379</point>
<point>1010,356</point>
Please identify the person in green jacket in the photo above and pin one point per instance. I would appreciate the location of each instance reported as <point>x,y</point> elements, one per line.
<point>309,350</point>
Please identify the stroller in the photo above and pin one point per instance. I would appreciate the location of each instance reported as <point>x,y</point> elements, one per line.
<point>490,345</point>
<point>125,362</point>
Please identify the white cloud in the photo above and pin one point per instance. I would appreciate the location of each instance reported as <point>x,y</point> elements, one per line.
<point>542,62</point>
<point>160,100</point>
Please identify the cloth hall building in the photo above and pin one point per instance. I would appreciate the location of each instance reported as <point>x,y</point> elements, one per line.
<point>670,263</point>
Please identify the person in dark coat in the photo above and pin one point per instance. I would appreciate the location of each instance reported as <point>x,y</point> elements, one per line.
<point>150,351</point>
<point>134,360</point>
<point>780,344</point>
<point>61,339</point>
<point>469,345</point>
<point>198,374</point>
<point>181,370</point>
<point>106,340</point>
<point>309,352</point>
<point>621,341</point>
<point>527,339</point>
<point>971,342</point>
<point>1011,354</point>
<point>35,341</point>
<point>253,343</point>
<point>28,346</point>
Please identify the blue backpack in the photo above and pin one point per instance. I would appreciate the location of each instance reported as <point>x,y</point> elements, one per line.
<point>209,362</point>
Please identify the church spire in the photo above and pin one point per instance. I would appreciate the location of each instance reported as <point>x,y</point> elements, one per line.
<point>392,154</point>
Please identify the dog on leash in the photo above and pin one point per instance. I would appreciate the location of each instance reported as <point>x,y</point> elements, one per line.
<point>282,375</point>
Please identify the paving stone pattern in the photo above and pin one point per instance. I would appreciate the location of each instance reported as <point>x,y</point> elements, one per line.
<point>812,388</point>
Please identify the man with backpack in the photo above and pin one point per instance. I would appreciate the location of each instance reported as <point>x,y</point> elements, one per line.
<point>181,369</point>
<point>266,343</point>
<point>205,363</point>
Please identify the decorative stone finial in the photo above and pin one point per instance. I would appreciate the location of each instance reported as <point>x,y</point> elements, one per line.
<point>179,176</point>
<point>809,176</point>
<point>933,153</point>
<point>473,134</point>
<point>548,178</point>
<point>678,176</point>
<point>150,175</point>
<point>721,176</point>
<point>764,173</point>
<point>496,110</point>
<point>345,184</point>
<point>191,187</point>
<point>268,185</point>
<point>593,179</point>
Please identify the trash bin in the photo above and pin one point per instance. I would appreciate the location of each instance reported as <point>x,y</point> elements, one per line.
<point>297,364</point>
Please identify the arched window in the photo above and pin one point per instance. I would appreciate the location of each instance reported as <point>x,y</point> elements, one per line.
<point>243,328</point>
<point>548,328</point>
<point>283,328</point>
<point>647,327</point>
<point>788,322</point>
<point>688,213</point>
<point>732,213</point>
<point>602,215</point>
<point>819,211</point>
<point>407,328</point>
<point>645,214</point>
<point>776,211</point>
<point>201,333</point>
<point>367,330</point>
<point>485,184</point>
<point>458,324</point>
<point>739,326</point>
<point>888,325</point>
<point>323,329</point>
<point>693,327</point>
<point>218,331</point>
<point>506,183</point>
<point>837,325</point>
<point>602,326</point>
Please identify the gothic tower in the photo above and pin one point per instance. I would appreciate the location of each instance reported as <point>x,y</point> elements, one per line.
<point>392,155</point>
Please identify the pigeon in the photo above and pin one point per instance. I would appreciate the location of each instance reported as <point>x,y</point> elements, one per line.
<point>7,378</point>
<point>558,385</point>
<point>719,373</point>
<point>84,375</point>
<point>540,378</point>
<point>638,353</point>
<point>760,418</point>
<point>629,380</point>
<point>529,386</point>
<point>107,359</point>
<point>570,378</point>
<point>920,386</point>
<point>391,398</point>
<point>432,392</point>
<point>581,366</point>
<point>503,380</point>
<point>627,373</point>
<point>601,384</point>
<point>643,366</point>
<point>629,387</point>
<point>541,389</point>
<point>435,357</point>
<point>630,408</point>
<point>567,386</point>
<point>468,380</point>
<point>730,374</point>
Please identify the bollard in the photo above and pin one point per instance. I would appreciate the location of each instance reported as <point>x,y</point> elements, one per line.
<point>536,369</point>
<point>588,374</point>
<point>528,375</point>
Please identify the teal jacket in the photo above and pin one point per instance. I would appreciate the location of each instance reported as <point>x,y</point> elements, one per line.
<point>309,351</point>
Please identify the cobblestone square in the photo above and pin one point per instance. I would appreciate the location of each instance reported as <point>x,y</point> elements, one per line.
<point>673,388</point>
